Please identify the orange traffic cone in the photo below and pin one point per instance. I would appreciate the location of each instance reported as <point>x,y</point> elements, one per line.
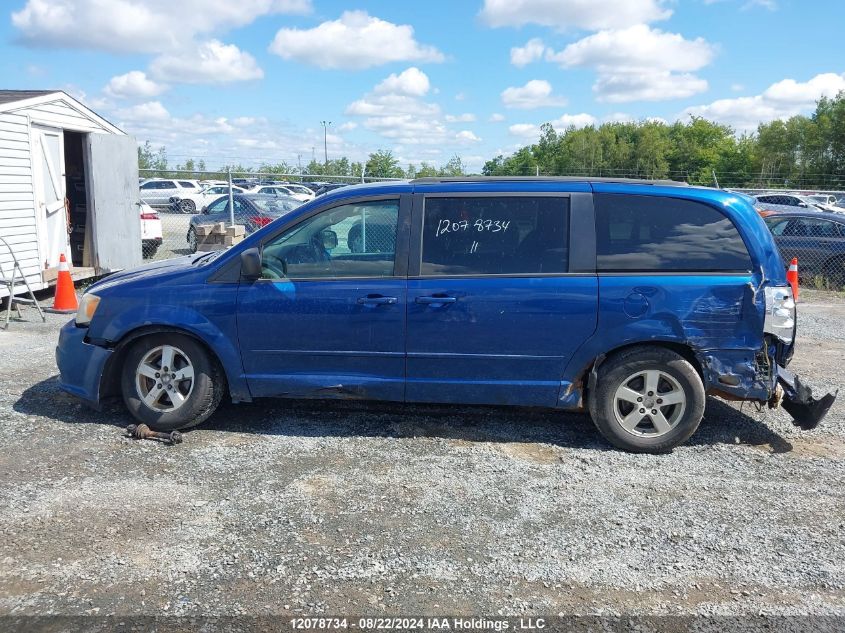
<point>792,277</point>
<point>65,300</point>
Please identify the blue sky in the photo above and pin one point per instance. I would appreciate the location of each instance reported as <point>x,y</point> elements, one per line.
<point>250,81</point>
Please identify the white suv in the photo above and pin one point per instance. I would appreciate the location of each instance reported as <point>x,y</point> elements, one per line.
<point>194,201</point>
<point>158,191</point>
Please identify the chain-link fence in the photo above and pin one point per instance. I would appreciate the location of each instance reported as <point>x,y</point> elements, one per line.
<point>185,212</point>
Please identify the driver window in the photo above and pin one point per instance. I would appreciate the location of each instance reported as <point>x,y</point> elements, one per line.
<point>353,240</point>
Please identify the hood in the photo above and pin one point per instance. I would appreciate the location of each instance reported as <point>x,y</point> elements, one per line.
<point>147,271</point>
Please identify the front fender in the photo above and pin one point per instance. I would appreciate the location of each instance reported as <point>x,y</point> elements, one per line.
<point>207,313</point>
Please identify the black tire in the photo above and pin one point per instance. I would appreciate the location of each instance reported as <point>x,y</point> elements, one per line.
<point>201,400</point>
<point>187,206</point>
<point>675,372</point>
<point>149,250</point>
<point>192,240</point>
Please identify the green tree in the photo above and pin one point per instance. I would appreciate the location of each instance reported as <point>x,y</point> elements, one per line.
<point>383,164</point>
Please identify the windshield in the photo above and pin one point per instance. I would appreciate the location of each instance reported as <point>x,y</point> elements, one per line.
<point>275,205</point>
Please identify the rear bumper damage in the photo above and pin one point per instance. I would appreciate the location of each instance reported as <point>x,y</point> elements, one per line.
<point>798,400</point>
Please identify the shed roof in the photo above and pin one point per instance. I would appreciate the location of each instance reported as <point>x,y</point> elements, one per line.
<point>10,96</point>
<point>19,99</point>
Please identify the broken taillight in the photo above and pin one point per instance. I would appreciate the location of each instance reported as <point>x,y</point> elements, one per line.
<point>780,313</point>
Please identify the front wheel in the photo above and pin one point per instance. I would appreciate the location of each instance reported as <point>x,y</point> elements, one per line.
<point>187,206</point>
<point>169,382</point>
<point>192,240</point>
<point>647,400</point>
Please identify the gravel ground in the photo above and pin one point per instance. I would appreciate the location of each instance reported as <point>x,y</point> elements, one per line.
<point>305,507</point>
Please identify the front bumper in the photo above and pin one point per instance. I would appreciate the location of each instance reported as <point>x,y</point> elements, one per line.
<point>80,364</point>
<point>798,400</point>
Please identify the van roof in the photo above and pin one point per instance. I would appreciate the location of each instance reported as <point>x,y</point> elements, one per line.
<point>629,181</point>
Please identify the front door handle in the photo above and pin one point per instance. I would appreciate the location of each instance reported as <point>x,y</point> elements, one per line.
<point>377,300</point>
<point>434,299</point>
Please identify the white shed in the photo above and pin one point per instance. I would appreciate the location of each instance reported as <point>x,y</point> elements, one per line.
<point>68,184</point>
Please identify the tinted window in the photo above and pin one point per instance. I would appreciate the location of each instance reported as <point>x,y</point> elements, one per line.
<point>810,227</point>
<point>495,236</point>
<point>187,184</point>
<point>353,240</point>
<point>654,234</point>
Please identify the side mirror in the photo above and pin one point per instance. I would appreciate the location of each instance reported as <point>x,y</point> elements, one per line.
<point>251,264</point>
<point>803,205</point>
<point>205,210</point>
<point>329,238</point>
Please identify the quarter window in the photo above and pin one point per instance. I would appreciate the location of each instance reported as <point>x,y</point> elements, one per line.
<point>655,234</point>
<point>353,240</point>
<point>495,236</point>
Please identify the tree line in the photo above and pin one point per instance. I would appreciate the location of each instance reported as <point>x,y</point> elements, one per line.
<point>806,152</point>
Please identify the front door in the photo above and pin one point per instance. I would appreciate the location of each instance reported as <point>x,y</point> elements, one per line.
<point>49,174</point>
<point>327,318</point>
<point>493,310</point>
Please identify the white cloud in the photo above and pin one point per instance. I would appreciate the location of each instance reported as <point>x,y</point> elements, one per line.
<point>573,14</point>
<point>149,26</point>
<point>347,127</point>
<point>639,63</point>
<point>354,41</point>
<point>396,109</point>
<point>536,93</point>
<point>531,52</point>
<point>530,132</point>
<point>206,63</point>
<point>133,85</point>
<point>654,86</point>
<point>146,112</point>
<point>525,130</point>
<point>781,100</point>
<point>467,136</point>
<point>496,118</point>
<point>411,82</point>
<point>637,47</point>
<point>466,117</point>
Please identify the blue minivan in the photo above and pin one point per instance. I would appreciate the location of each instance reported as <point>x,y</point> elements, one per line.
<point>632,300</point>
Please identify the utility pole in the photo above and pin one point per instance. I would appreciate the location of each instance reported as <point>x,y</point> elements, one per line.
<point>299,164</point>
<point>326,125</point>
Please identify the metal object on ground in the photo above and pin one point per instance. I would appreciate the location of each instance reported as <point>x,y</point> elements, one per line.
<point>143,432</point>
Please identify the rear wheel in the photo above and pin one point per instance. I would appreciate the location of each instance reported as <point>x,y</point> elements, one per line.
<point>170,382</point>
<point>647,400</point>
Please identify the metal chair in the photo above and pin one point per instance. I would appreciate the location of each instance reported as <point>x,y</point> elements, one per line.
<point>14,283</point>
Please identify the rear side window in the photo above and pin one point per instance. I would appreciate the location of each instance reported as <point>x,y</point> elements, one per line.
<point>657,234</point>
<point>495,236</point>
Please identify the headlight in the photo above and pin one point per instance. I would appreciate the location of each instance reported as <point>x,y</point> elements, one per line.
<point>87,308</point>
<point>780,313</point>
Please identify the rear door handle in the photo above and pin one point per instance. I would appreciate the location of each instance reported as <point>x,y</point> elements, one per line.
<point>435,299</point>
<point>377,300</point>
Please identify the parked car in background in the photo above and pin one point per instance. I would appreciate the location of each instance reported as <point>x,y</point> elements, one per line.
<point>823,198</point>
<point>816,238</point>
<point>303,194</point>
<point>193,202</point>
<point>252,210</point>
<point>329,187</point>
<point>152,235</point>
<point>793,200</point>
<point>158,191</point>
<point>633,301</point>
